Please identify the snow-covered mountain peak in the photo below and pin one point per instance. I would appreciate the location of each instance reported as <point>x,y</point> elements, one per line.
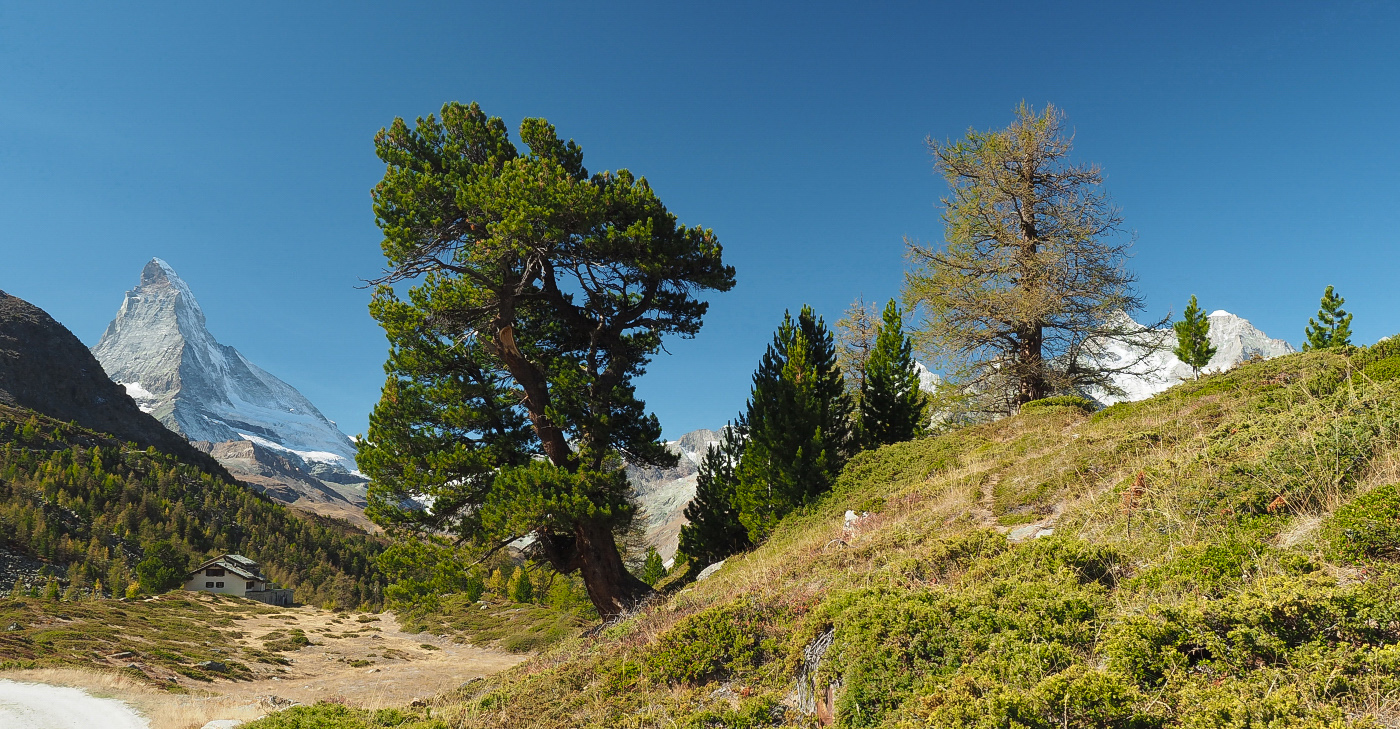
<point>159,348</point>
<point>1235,340</point>
<point>158,279</point>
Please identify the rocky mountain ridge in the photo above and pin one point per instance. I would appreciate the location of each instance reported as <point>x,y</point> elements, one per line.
<point>664,493</point>
<point>286,478</point>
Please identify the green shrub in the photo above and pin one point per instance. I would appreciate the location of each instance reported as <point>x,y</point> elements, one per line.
<point>1083,697</point>
<point>1386,349</point>
<point>1055,555</point>
<point>338,716</point>
<point>893,646</point>
<point>712,643</point>
<point>1115,411</point>
<point>756,711</point>
<point>1257,701</point>
<point>1368,527</point>
<point>1383,370</point>
<point>1283,620</point>
<point>1205,569</point>
<point>293,642</point>
<point>1062,401</point>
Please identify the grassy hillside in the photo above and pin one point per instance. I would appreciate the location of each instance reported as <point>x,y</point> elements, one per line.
<point>1222,555</point>
<point>89,507</point>
<point>149,640</point>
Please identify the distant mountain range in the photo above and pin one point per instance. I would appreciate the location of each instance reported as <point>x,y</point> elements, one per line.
<point>1234,338</point>
<point>159,348</point>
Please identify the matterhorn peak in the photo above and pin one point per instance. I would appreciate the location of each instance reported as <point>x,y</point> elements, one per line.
<point>159,348</point>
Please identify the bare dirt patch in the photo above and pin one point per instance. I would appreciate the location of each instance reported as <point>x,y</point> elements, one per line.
<point>292,656</point>
<point>360,660</point>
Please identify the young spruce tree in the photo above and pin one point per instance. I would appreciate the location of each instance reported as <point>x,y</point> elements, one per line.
<point>891,405</point>
<point>714,531</point>
<point>1193,338</point>
<point>798,425</point>
<point>653,569</point>
<point>1332,327</point>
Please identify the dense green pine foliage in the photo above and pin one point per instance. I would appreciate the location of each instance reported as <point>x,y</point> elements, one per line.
<point>798,425</point>
<point>653,568</point>
<point>713,530</point>
<point>891,405</point>
<point>1332,327</point>
<point>540,294</point>
<point>1193,338</point>
<point>98,510</point>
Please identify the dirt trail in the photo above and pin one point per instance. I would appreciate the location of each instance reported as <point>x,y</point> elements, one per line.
<point>26,705</point>
<point>983,510</point>
<point>365,661</point>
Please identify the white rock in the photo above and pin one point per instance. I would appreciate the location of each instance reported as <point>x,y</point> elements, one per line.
<point>705,573</point>
<point>223,724</point>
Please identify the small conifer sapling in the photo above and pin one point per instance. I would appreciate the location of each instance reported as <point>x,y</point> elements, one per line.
<point>713,530</point>
<point>1193,338</point>
<point>1332,327</point>
<point>653,569</point>
<point>891,404</point>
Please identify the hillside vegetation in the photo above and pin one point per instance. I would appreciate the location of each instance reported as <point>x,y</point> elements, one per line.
<point>94,509</point>
<point>1222,555</point>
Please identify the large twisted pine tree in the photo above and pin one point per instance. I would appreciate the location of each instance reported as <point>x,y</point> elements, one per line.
<point>540,293</point>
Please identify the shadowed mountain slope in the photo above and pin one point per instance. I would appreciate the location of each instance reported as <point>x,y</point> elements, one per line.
<point>44,368</point>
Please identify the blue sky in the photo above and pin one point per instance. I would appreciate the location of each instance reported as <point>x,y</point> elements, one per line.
<point>1252,147</point>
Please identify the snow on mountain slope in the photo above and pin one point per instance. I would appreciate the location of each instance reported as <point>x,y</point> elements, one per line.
<point>159,348</point>
<point>1234,338</point>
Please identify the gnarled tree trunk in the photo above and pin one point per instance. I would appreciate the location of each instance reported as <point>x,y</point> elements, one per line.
<point>611,587</point>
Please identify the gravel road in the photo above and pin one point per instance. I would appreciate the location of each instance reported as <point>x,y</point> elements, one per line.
<point>40,706</point>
